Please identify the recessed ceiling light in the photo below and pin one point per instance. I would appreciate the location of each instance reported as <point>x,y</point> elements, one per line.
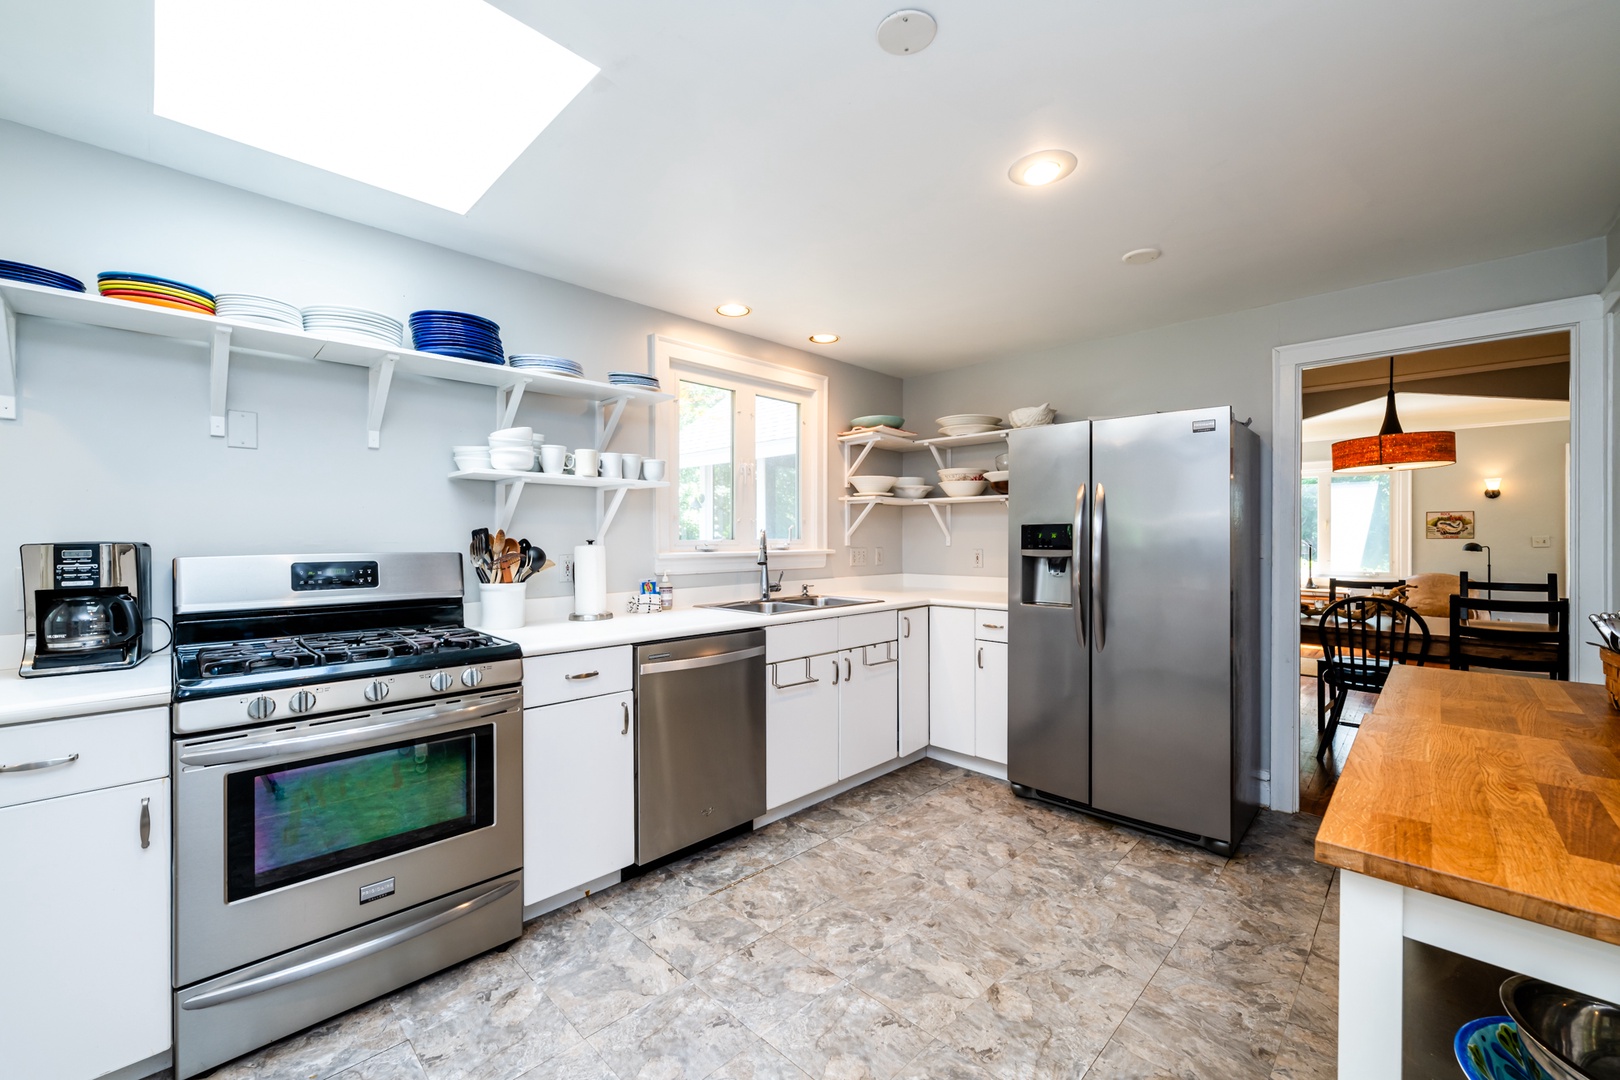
<point>823,339</point>
<point>733,311</point>
<point>431,99</point>
<point>1042,168</point>
<point>1140,255</point>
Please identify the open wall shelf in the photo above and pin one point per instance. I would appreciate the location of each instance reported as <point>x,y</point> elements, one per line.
<point>856,448</point>
<point>509,488</point>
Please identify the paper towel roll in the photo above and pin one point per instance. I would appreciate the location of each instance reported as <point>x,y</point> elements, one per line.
<point>590,580</point>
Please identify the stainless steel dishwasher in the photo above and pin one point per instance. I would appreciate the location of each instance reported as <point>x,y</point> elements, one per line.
<point>700,739</point>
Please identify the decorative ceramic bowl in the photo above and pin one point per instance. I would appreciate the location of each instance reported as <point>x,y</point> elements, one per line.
<point>878,420</point>
<point>1490,1048</point>
<point>872,485</point>
<point>961,489</point>
<point>961,474</point>
<point>1034,416</point>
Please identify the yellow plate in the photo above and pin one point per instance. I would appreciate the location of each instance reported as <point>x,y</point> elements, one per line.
<point>145,286</point>
<point>178,305</point>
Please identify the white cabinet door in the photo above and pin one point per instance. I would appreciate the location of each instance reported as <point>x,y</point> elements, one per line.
<point>84,929</point>
<point>868,707</point>
<point>990,701</point>
<point>913,680</point>
<point>801,727</point>
<point>579,793</point>
<point>950,678</point>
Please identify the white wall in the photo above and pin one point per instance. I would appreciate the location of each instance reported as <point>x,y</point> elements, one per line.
<point>111,440</point>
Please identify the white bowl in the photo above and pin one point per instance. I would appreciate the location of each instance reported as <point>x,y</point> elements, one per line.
<point>961,474</point>
<point>476,448</point>
<point>998,476</point>
<point>513,434</point>
<point>467,463</point>
<point>951,430</point>
<point>961,489</point>
<point>913,491</point>
<point>957,419</point>
<point>1034,416</point>
<point>872,485</point>
<point>512,460</point>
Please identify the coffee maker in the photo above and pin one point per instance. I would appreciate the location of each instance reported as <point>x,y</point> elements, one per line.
<point>85,607</point>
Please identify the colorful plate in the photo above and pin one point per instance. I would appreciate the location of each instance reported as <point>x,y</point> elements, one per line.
<point>149,279</point>
<point>1490,1049</point>
<point>108,284</point>
<point>162,301</point>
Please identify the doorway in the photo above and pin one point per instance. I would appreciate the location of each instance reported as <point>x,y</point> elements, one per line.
<point>1588,557</point>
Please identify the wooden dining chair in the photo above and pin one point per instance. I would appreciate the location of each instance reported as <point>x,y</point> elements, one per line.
<point>1354,586</point>
<point>1537,589</point>
<point>1533,645</point>
<point>1363,638</point>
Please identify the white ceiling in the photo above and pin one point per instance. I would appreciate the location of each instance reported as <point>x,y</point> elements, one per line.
<point>772,153</point>
<point>1431,412</point>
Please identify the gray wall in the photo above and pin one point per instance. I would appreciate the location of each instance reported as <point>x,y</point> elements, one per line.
<point>1226,359</point>
<point>111,441</point>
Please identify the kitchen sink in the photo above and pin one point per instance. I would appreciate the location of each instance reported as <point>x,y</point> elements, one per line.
<point>829,601</point>
<point>788,607</point>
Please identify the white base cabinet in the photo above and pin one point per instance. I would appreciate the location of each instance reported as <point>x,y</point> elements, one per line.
<point>967,685</point>
<point>990,701</point>
<point>801,727</point>
<point>868,708</point>
<point>84,928</point>
<point>579,793</point>
<point>913,680</point>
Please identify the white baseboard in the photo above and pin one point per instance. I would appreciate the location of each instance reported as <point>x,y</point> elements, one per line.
<point>568,896</point>
<point>791,808</point>
<point>983,766</point>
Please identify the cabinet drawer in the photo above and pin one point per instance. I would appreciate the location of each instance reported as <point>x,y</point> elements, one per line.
<point>989,624</point>
<point>856,630</point>
<point>568,676</point>
<point>111,748</point>
<point>798,639</point>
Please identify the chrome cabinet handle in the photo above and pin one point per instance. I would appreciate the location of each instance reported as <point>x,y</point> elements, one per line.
<point>981,658</point>
<point>835,671</point>
<point>625,705</point>
<point>582,675</point>
<point>849,671</point>
<point>146,823</point>
<point>992,626</point>
<point>905,623</point>
<point>806,681</point>
<point>48,763</point>
<point>892,659</point>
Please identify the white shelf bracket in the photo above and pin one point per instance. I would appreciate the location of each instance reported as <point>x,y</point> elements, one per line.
<point>507,494</point>
<point>507,400</point>
<point>850,467</point>
<point>605,429</point>
<point>944,522</point>
<point>850,527</point>
<point>8,362</point>
<point>219,373</point>
<point>381,378</point>
<point>941,462</point>
<point>606,508</point>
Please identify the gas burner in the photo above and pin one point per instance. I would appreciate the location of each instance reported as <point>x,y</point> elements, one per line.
<point>310,650</point>
<point>244,657</point>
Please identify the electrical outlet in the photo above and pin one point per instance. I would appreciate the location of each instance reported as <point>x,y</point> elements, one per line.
<point>242,430</point>
<point>857,556</point>
<point>568,569</point>
<point>1540,541</point>
<point>877,556</point>
<point>978,558</point>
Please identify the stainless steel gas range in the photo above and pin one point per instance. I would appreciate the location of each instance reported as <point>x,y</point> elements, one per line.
<point>347,787</point>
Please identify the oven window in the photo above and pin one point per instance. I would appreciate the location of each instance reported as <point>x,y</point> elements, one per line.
<point>289,823</point>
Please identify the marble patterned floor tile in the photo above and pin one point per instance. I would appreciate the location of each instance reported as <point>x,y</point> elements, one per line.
<point>613,974</point>
<point>1184,1022</point>
<point>761,1061</point>
<point>772,898</point>
<point>647,898</point>
<point>322,1051</point>
<point>1145,897</point>
<point>918,982</point>
<point>940,1061</point>
<point>841,938</point>
<point>398,1062</point>
<point>1119,1062</point>
<point>516,1028</point>
<point>684,1035</point>
<point>828,819</point>
<point>848,1034</point>
<point>696,937</point>
<point>766,982</point>
<point>580,1063</point>
<point>960,934</point>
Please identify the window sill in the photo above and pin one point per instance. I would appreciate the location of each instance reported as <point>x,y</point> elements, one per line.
<point>739,562</point>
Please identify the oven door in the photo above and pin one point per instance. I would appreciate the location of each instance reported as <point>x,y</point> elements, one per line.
<point>287,834</point>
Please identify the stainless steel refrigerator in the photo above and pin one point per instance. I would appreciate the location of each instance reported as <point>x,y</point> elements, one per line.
<point>1134,620</point>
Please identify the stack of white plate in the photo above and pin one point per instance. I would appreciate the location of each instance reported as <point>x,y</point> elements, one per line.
<point>245,307</point>
<point>968,424</point>
<point>354,324</point>
<point>555,365</point>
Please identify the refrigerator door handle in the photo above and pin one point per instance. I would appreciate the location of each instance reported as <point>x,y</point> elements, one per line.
<point>1076,601</point>
<point>1099,570</point>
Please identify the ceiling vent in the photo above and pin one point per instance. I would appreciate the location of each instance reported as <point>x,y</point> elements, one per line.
<point>907,31</point>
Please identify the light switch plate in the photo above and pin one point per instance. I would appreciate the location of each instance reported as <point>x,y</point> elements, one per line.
<point>1540,541</point>
<point>242,430</point>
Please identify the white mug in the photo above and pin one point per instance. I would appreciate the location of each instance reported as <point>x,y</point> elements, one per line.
<point>612,465</point>
<point>585,462</point>
<point>652,469</point>
<point>553,458</point>
<point>632,466</point>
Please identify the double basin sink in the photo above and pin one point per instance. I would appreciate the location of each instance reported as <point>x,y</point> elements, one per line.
<point>788,607</point>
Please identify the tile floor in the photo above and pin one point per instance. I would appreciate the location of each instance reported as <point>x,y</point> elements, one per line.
<point>928,925</point>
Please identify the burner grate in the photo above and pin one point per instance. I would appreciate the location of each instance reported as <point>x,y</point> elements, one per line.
<point>310,650</point>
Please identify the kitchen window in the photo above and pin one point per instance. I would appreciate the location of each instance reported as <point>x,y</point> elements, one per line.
<point>1359,524</point>
<point>746,445</point>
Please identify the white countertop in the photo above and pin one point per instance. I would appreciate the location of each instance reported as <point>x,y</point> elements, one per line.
<point>560,635</point>
<point>149,683</point>
<point>51,697</point>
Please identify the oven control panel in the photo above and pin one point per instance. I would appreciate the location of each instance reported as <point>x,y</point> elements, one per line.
<point>325,576</point>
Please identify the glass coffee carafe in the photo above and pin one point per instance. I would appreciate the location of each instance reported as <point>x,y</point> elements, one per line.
<point>90,623</point>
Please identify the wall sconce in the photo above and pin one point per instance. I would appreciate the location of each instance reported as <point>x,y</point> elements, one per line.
<point>1493,487</point>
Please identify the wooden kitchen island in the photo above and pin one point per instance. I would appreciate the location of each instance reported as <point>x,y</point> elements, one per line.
<point>1479,814</point>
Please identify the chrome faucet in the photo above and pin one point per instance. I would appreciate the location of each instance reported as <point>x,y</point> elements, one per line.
<point>764,561</point>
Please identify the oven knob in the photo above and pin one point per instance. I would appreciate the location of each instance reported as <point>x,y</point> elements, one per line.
<point>261,707</point>
<point>472,676</point>
<point>442,680</point>
<point>376,690</point>
<point>303,701</point>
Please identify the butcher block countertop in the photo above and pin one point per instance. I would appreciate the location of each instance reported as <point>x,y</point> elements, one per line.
<point>1500,791</point>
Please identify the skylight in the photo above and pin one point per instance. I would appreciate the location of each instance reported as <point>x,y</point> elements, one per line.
<point>432,99</point>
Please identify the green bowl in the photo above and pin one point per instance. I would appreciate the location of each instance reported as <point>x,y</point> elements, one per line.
<point>877,421</point>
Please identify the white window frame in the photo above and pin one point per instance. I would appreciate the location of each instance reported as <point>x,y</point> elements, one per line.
<point>673,360</point>
<point>1400,517</point>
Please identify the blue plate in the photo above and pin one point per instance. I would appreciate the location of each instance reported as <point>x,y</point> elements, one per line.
<point>155,281</point>
<point>471,342</point>
<point>53,281</point>
<point>1490,1049</point>
<point>453,317</point>
<point>466,354</point>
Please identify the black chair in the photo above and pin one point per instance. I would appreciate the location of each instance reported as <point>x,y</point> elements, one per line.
<point>1359,585</point>
<point>1541,646</point>
<point>1549,588</point>
<point>1363,638</point>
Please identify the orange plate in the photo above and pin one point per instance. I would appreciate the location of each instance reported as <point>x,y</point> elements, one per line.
<point>160,301</point>
<point>123,285</point>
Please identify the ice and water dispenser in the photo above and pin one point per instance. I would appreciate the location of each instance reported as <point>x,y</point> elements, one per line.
<point>1047,556</point>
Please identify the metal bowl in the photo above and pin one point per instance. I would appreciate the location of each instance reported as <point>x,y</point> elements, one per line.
<point>1572,1036</point>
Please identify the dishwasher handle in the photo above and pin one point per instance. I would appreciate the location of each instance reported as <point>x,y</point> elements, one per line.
<point>695,662</point>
